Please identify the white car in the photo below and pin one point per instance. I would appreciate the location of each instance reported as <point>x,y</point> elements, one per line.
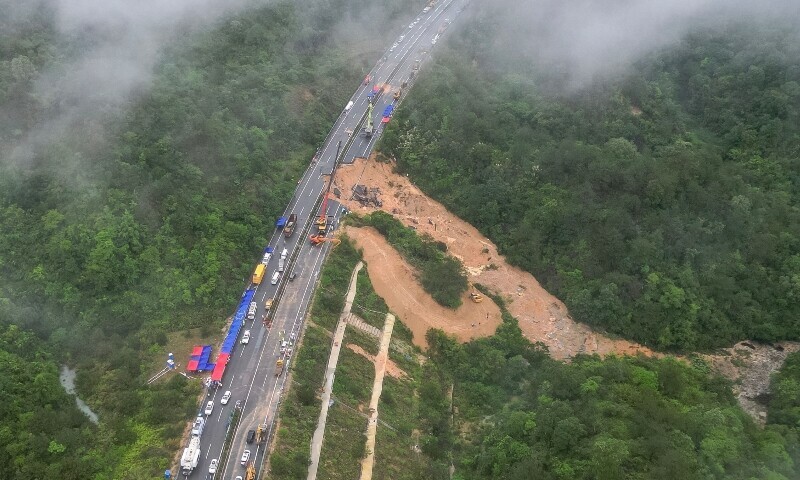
<point>401,38</point>
<point>411,25</point>
<point>213,467</point>
<point>226,397</point>
<point>238,477</point>
<point>209,407</point>
<point>245,457</point>
<point>246,337</point>
<point>393,47</point>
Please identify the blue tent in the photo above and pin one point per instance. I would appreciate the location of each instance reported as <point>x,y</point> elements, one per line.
<point>238,320</point>
<point>281,222</point>
<point>387,112</point>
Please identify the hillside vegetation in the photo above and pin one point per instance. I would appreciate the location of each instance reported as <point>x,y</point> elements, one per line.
<point>440,274</point>
<point>145,219</point>
<point>661,206</point>
<point>521,415</point>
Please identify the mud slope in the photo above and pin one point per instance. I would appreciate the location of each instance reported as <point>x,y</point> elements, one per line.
<point>542,317</point>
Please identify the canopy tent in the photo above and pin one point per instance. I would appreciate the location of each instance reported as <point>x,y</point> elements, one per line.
<point>219,368</point>
<point>199,360</point>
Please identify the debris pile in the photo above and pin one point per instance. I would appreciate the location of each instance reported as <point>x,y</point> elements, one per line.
<point>367,196</point>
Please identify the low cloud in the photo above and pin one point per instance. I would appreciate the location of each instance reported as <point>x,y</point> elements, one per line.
<point>591,38</point>
<point>115,45</point>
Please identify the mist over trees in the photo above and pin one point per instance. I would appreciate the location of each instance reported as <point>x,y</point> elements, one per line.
<point>140,219</point>
<point>660,203</point>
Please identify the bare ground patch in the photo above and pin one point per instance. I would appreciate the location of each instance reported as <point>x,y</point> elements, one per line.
<point>542,317</point>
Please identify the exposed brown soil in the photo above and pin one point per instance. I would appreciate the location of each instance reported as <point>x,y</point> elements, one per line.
<point>393,279</point>
<point>391,368</point>
<point>542,317</point>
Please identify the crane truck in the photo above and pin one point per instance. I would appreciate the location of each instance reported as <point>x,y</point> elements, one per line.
<point>322,221</point>
<point>369,129</point>
<point>190,457</point>
<point>279,367</point>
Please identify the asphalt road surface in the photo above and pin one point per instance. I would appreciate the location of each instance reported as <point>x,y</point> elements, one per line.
<point>251,373</point>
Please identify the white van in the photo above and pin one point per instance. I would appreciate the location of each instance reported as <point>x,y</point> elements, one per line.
<point>349,106</point>
<point>275,277</point>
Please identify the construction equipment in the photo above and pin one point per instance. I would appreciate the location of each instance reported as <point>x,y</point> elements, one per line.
<point>474,295</point>
<point>398,93</point>
<point>320,239</point>
<point>279,367</point>
<point>261,433</point>
<point>322,222</point>
<point>369,129</point>
<point>250,473</point>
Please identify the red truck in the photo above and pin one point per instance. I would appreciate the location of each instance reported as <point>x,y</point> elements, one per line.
<point>288,230</point>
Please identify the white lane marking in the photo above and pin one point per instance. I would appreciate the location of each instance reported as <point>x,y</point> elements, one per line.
<point>430,19</point>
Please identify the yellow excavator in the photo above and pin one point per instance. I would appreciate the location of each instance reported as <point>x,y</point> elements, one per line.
<point>250,473</point>
<point>320,239</point>
<point>474,295</point>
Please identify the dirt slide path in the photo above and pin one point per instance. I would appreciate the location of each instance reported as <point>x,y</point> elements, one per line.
<point>542,317</point>
<point>393,279</point>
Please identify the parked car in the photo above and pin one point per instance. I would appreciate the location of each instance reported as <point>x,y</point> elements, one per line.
<point>251,436</point>
<point>209,407</point>
<point>245,457</point>
<point>213,467</point>
<point>225,397</point>
<point>246,337</point>
<point>268,304</point>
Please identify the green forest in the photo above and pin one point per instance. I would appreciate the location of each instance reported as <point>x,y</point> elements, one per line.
<point>440,274</point>
<point>660,205</point>
<point>146,219</point>
<point>517,414</point>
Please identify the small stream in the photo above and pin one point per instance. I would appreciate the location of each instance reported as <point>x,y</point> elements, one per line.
<point>67,379</point>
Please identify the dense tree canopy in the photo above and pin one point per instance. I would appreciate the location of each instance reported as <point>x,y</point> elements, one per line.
<point>661,206</point>
<point>145,219</point>
<point>440,274</point>
<point>517,414</point>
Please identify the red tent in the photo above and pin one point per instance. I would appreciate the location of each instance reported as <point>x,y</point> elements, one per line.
<point>219,368</point>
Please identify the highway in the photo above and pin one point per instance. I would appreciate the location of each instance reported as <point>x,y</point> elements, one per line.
<point>251,372</point>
